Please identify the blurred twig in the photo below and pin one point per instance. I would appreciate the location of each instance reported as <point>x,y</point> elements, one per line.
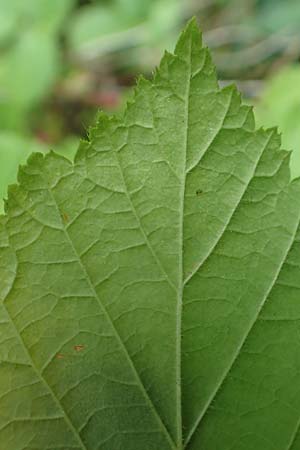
<point>251,56</point>
<point>230,34</point>
<point>103,45</point>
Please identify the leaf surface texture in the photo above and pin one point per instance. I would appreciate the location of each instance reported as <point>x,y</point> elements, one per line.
<point>150,291</point>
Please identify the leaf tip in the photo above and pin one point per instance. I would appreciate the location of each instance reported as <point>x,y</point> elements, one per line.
<point>190,36</point>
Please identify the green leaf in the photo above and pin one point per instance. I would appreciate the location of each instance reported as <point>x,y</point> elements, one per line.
<point>24,84</point>
<point>150,290</point>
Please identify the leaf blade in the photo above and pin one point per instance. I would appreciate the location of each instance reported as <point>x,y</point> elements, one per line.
<point>136,279</point>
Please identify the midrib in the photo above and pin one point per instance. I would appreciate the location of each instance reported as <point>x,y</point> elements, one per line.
<point>180,265</point>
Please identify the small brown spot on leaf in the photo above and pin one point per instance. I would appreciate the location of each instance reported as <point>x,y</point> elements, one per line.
<point>65,217</point>
<point>78,348</point>
<point>60,356</point>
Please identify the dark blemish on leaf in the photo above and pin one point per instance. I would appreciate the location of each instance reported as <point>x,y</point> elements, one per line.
<point>199,192</point>
<point>60,356</point>
<point>78,348</point>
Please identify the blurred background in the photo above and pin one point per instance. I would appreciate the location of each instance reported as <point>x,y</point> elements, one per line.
<point>62,60</point>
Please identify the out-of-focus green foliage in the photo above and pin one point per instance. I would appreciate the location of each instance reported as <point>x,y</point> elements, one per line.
<point>100,28</point>
<point>276,14</point>
<point>29,63</point>
<point>29,66</point>
<point>280,104</point>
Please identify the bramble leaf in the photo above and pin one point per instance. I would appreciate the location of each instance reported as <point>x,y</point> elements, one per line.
<point>150,290</point>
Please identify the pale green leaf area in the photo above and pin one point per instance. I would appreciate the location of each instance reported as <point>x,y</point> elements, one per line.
<point>150,290</point>
<point>280,104</point>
